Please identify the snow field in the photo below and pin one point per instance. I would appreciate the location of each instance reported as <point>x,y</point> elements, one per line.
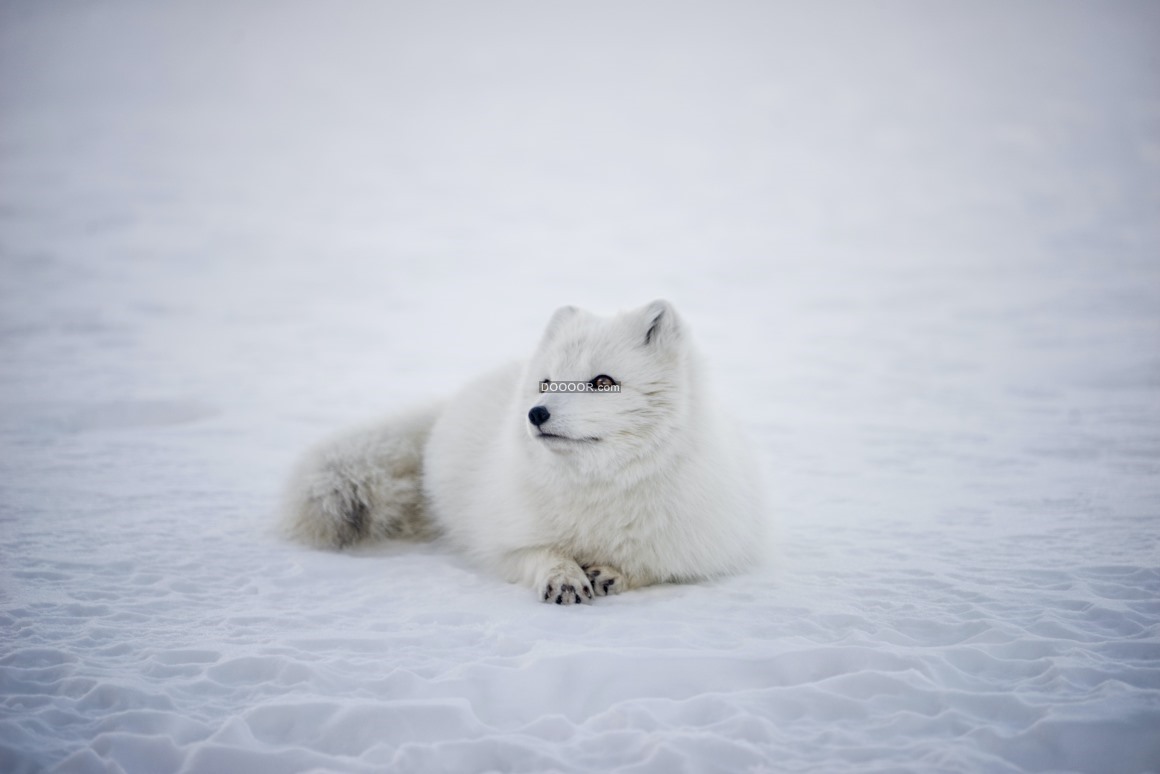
<point>918,244</point>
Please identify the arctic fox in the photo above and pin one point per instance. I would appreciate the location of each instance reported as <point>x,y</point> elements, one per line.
<point>599,465</point>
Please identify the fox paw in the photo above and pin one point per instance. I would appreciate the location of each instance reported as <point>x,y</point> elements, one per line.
<point>605,580</point>
<point>566,586</point>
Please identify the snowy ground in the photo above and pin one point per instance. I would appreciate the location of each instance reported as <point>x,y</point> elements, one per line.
<point>920,243</point>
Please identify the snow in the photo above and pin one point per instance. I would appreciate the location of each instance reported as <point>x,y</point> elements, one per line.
<point>918,242</point>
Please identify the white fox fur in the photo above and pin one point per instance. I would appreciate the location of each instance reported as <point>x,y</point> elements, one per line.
<point>610,491</point>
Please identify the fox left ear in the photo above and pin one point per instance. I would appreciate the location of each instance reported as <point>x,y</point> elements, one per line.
<point>559,317</point>
<point>662,327</point>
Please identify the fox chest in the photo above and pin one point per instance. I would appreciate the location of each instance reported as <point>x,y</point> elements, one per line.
<point>619,531</point>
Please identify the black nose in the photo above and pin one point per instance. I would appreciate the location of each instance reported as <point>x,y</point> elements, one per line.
<point>538,415</point>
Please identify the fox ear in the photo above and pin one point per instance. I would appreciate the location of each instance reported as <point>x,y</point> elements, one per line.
<point>662,327</point>
<point>559,317</point>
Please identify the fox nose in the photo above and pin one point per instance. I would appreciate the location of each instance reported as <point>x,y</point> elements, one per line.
<point>538,415</point>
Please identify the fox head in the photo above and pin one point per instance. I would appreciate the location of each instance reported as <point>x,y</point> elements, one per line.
<point>601,392</point>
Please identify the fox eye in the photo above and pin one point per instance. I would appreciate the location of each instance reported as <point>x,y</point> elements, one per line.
<point>603,382</point>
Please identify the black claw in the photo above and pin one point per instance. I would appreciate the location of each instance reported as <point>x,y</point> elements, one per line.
<point>560,600</point>
<point>588,592</point>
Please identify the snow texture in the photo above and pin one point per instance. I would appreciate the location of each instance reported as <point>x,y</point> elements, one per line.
<point>920,244</point>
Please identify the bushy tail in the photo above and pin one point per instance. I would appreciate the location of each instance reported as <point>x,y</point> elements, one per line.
<point>362,486</point>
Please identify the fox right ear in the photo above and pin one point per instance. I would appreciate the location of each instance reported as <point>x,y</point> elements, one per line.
<point>661,323</point>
